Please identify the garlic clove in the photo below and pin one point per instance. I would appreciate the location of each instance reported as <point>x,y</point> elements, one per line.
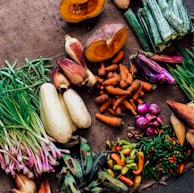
<point>75,50</point>
<point>75,73</point>
<point>59,80</point>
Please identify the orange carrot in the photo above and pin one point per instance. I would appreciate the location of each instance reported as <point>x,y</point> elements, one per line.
<point>119,56</point>
<point>117,159</point>
<point>101,98</point>
<point>132,69</point>
<point>116,90</point>
<point>101,69</point>
<point>129,107</point>
<point>111,68</point>
<point>119,100</point>
<point>123,72</point>
<point>111,81</point>
<point>110,74</point>
<point>99,79</point>
<point>140,163</point>
<point>129,79</point>
<point>119,111</point>
<point>105,105</point>
<point>101,92</point>
<point>109,120</point>
<point>146,86</point>
<point>123,84</point>
<point>139,101</point>
<point>134,86</point>
<point>111,111</point>
<point>132,102</point>
<point>137,93</point>
<point>115,74</point>
<point>126,180</point>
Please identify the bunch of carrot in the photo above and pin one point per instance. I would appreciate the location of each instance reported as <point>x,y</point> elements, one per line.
<point>118,90</point>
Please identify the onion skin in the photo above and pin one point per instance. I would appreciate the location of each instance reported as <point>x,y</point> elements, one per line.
<point>154,109</point>
<point>150,131</point>
<point>142,109</point>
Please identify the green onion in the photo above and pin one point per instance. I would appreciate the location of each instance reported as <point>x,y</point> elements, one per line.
<point>24,144</point>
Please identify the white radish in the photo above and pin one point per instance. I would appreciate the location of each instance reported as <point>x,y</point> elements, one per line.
<point>77,109</point>
<point>52,114</point>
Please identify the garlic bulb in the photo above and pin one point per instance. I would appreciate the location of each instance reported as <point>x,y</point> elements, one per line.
<point>122,4</point>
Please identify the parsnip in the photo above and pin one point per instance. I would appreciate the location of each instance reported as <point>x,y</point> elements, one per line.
<point>77,109</point>
<point>52,114</point>
<point>179,128</point>
<point>73,126</point>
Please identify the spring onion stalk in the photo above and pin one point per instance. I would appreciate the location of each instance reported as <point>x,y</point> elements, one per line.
<point>24,144</point>
<point>184,72</point>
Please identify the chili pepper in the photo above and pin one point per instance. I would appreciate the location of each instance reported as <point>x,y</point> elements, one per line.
<point>122,156</point>
<point>137,182</point>
<point>123,142</point>
<point>129,146</point>
<point>109,171</point>
<point>133,153</point>
<point>126,180</point>
<point>110,163</point>
<point>118,148</point>
<point>126,151</point>
<point>180,168</point>
<point>117,167</point>
<point>124,170</point>
<point>129,161</point>
<point>117,159</point>
<point>132,166</point>
<point>140,164</point>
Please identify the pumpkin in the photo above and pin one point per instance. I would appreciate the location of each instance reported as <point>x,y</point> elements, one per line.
<point>105,42</point>
<point>74,11</point>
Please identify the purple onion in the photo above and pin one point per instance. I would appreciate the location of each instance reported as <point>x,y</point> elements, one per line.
<point>154,124</point>
<point>150,117</point>
<point>142,109</point>
<point>154,109</point>
<point>150,131</point>
<point>141,122</point>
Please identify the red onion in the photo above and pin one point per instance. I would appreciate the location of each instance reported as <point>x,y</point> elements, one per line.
<point>141,122</point>
<point>150,117</point>
<point>150,131</point>
<point>154,109</point>
<point>154,124</point>
<point>142,109</point>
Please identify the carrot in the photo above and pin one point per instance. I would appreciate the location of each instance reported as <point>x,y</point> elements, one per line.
<point>115,74</point>
<point>146,86</point>
<point>111,81</point>
<point>116,157</point>
<point>111,68</point>
<point>123,84</point>
<point>126,180</point>
<point>110,74</point>
<point>137,93</point>
<point>101,70</point>
<point>119,100</point>
<point>101,98</point>
<point>134,86</point>
<point>111,111</point>
<point>116,90</point>
<point>132,69</point>
<point>105,105</point>
<point>118,111</point>
<point>119,56</point>
<point>129,107</point>
<point>140,163</point>
<point>109,120</point>
<point>101,92</point>
<point>139,101</point>
<point>99,79</point>
<point>123,72</point>
<point>129,79</point>
<point>132,102</point>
